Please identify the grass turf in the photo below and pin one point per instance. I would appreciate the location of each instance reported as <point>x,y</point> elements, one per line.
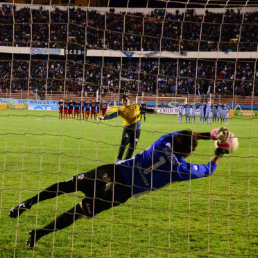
<point>213,216</point>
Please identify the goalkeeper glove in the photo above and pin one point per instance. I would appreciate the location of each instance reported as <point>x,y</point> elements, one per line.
<point>220,133</point>
<point>156,111</point>
<point>220,152</point>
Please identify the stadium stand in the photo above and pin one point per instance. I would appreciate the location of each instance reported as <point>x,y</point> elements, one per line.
<point>77,30</point>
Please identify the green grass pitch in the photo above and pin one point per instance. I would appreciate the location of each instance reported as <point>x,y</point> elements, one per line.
<point>214,216</point>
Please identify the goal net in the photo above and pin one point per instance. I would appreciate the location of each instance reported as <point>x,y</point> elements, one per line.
<point>64,64</point>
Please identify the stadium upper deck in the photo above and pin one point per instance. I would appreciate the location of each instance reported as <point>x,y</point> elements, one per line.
<point>142,29</point>
<point>148,30</point>
<point>146,3</point>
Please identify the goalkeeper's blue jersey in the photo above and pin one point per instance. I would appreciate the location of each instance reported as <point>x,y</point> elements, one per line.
<point>158,166</point>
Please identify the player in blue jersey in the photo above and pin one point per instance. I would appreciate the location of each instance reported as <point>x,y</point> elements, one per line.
<point>76,109</point>
<point>187,113</point>
<point>214,113</point>
<point>193,112</point>
<point>66,107</point>
<point>110,185</point>
<point>98,104</point>
<point>93,112</point>
<point>180,113</point>
<point>220,112</point>
<point>208,112</point>
<point>104,106</point>
<point>87,110</point>
<point>83,106</point>
<point>202,112</point>
<point>225,114</point>
<point>61,108</point>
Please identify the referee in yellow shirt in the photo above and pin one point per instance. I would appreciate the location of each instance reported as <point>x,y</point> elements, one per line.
<point>131,115</point>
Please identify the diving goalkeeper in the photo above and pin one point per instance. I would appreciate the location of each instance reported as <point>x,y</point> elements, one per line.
<point>131,115</point>
<point>110,185</point>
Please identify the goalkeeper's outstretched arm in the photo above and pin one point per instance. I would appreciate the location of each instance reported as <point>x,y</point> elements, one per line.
<point>225,138</point>
<point>110,116</point>
<point>214,134</point>
<point>208,136</point>
<point>147,110</point>
<point>201,170</point>
<point>216,159</point>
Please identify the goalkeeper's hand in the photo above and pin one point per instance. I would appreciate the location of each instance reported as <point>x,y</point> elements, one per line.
<point>225,141</point>
<point>220,152</point>
<point>220,133</point>
<point>223,138</point>
<point>156,111</point>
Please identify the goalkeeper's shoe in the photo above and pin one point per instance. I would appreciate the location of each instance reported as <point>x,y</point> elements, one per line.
<point>32,239</point>
<point>100,118</point>
<point>35,235</point>
<point>19,209</point>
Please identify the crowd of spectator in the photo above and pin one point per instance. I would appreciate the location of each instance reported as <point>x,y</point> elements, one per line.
<point>157,31</point>
<point>165,76</point>
<point>77,28</point>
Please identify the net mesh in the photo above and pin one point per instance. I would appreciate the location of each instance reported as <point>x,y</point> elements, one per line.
<point>158,52</point>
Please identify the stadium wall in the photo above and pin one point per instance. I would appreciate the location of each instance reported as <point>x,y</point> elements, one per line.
<point>51,105</point>
<point>133,54</point>
<point>131,10</point>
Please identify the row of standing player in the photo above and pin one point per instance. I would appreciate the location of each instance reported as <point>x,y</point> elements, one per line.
<point>208,113</point>
<point>81,109</point>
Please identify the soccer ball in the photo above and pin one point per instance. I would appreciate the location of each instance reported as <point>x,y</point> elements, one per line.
<point>231,145</point>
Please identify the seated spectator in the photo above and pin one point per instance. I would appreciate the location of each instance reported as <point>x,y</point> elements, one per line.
<point>40,15</point>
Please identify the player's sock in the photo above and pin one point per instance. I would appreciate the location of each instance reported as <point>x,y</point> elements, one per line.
<point>34,237</point>
<point>19,209</point>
